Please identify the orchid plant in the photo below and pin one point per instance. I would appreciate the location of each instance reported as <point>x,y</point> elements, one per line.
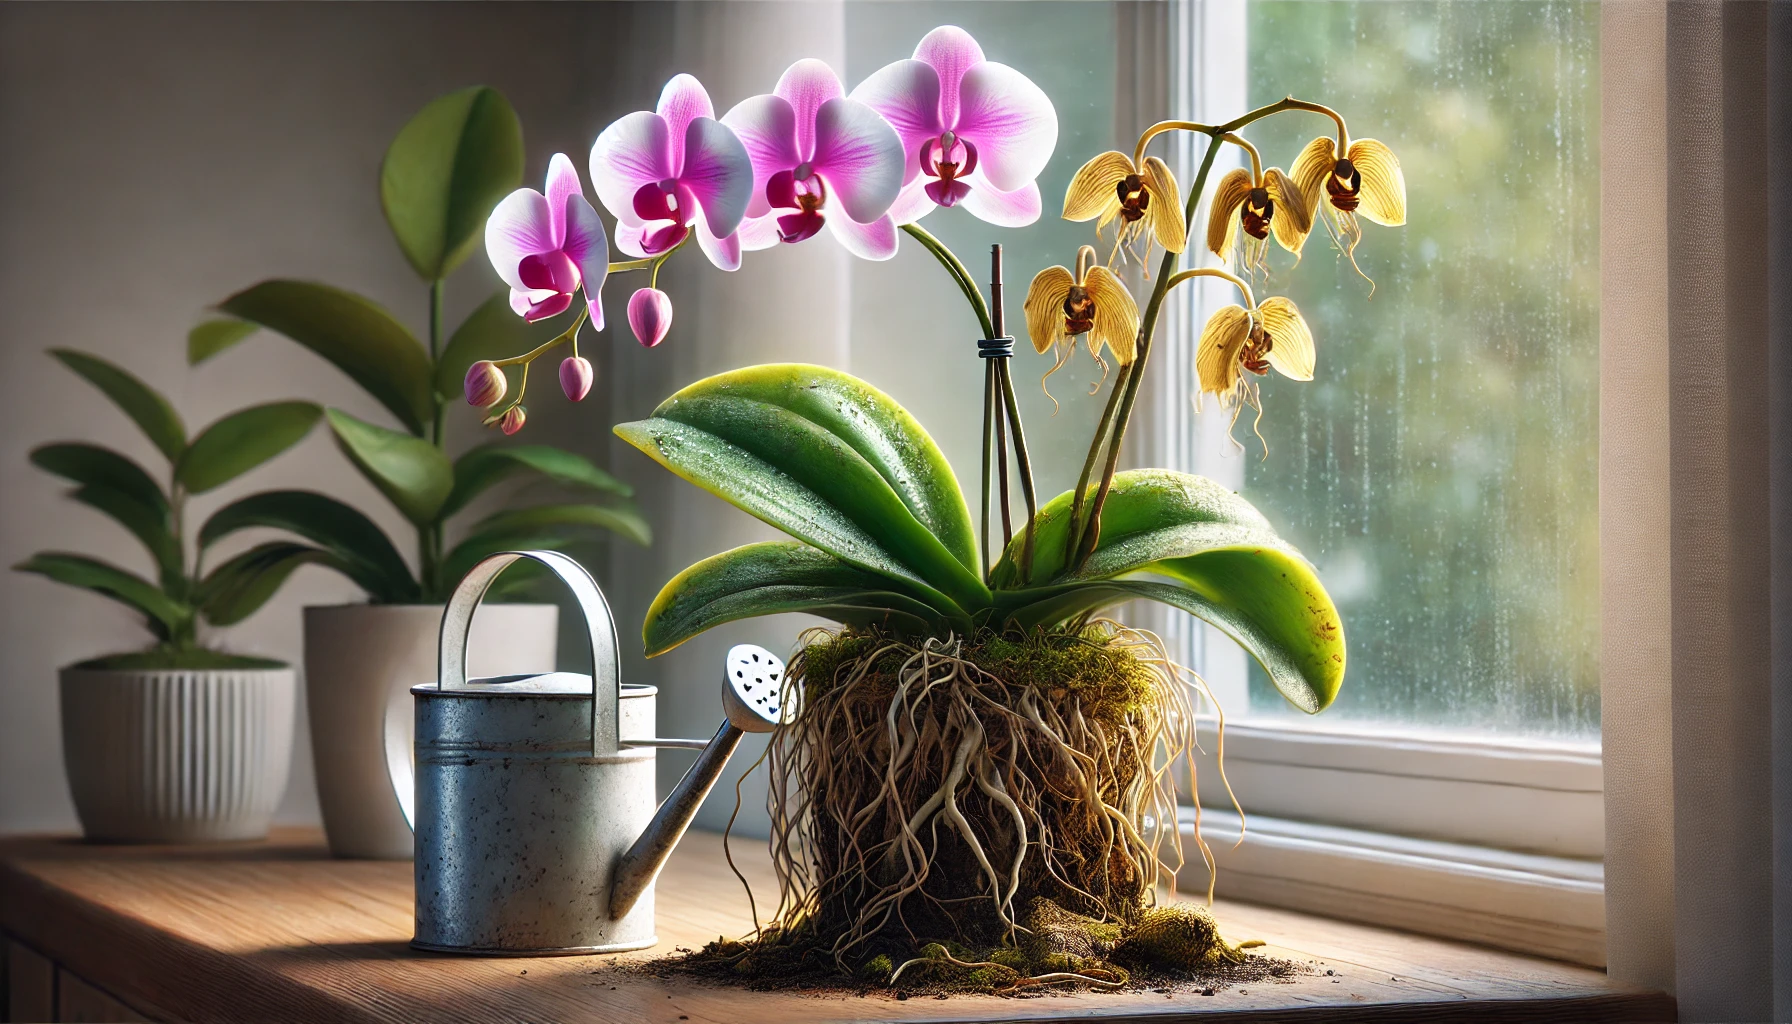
<point>442,179</point>
<point>881,531</point>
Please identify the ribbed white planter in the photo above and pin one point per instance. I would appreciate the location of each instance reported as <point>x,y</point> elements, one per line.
<point>176,756</point>
<point>361,658</point>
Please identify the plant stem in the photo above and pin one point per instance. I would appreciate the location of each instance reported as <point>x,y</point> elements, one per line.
<point>953,266</point>
<point>989,408</point>
<point>1023,464</point>
<point>559,339</point>
<point>1102,427</point>
<point>429,538</point>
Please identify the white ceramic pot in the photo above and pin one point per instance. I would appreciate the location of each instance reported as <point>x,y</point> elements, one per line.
<point>176,756</point>
<point>359,659</point>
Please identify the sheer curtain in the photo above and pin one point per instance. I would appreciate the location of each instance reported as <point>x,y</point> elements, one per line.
<point>1695,463</point>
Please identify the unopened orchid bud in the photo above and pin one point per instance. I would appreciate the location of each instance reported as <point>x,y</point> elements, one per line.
<point>650,315</point>
<point>576,376</point>
<point>485,384</point>
<point>512,420</point>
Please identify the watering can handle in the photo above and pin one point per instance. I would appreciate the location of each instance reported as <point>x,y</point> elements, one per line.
<point>600,629</point>
<point>457,622</point>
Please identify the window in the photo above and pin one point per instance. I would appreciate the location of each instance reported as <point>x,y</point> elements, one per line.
<point>1441,471</point>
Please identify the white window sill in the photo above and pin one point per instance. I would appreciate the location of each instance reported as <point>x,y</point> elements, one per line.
<point>1532,903</point>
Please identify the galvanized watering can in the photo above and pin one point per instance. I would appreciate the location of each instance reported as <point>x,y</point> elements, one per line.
<point>532,796</point>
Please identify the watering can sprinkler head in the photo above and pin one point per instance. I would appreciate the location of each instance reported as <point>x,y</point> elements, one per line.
<point>756,699</point>
<point>753,692</point>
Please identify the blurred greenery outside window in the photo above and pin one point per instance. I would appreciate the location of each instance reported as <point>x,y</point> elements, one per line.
<point>1442,470</point>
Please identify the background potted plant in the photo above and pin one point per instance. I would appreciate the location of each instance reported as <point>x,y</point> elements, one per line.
<point>182,741</point>
<point>441,177</point>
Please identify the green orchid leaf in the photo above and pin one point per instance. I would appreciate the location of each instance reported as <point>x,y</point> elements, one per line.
<point>243,440</point>
<point>91,465</point>
<point>214,336</point>
<point>363,552</point>
<point>773,577</point>
<point>409,471</point>
<point>623,520</point>
<point>789,444</point>
<point>359,337</point>
<point>144,405</point>
<point>492,331</point>
<point>166,616</point>
<point>1227,566</point>
<point>1150,514</point>
<point>443,174</point>
<point>238,588</point>
<point>151,523</point>
<point>481,468</point>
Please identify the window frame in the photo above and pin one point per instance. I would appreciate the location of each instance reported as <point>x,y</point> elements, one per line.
<point>1491,838</point>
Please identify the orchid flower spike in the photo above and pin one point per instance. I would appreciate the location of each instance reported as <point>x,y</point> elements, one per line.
<point>665,172</point>
<point>818,158</point>
<point>973,131</point>
<point>1091,302</point>
<point>548,247</point>
<point>1145,199</point>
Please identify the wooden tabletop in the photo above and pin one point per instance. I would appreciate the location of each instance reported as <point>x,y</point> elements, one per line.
<point>278,931</point>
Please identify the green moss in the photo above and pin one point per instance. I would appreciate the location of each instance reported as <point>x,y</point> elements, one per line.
<point>1107,676</point>
<point>1180,936</point>
<point>161,659</point>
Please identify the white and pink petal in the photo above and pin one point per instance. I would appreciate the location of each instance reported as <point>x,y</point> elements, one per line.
<point>682,101</point>
<point>519,227</point>
<point>874,241</point>
<point>860,156</point>
<point>632,151</point>
<point>951,52</point>
<point>1014,209</point>
<point>589,249</point>
<point>720,173</point>
<point>806,85</point>
<point>766,126</point>
<point>1011,122</point>
<point>907,94</point>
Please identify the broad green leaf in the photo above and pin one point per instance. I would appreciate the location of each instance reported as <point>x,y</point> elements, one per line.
<point>238,588</point>
<point>1227,566</point>
<point>774,577</point>
<point>148,522</point>
<point>445,171</point>
<point>763,490</point>
<point>789,444</point>
<point>624,520</point>
<point>166,616</point>
<point>143,404</point>
<point>1150,514</point>
<point>243,440</point>
<point>214,336</point>
<point>92,466</point>
<point>411,472</point>
<point>365,555</point>
<point>362,339</point>
<point>461,558</point>
<point>492,331</point>
<point>481,468</point>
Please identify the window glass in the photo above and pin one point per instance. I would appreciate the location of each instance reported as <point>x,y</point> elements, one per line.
<point>1441,471</point>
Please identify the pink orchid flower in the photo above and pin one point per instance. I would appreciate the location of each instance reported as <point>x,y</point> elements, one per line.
<point>547,247</point>
<point>818,158</point>
<point>664,172</point>
<point>973,131</point>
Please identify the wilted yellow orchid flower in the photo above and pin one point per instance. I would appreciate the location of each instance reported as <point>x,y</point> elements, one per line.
<point>1111,185</point>
<point>1365,181</point>
<point>1261,202</point>
<point>1249,339</point>
<point>1091,302</point>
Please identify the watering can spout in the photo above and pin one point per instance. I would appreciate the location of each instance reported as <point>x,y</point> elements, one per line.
<point>755,698</point>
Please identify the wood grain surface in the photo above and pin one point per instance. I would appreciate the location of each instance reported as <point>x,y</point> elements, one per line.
<point>278,931</point>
